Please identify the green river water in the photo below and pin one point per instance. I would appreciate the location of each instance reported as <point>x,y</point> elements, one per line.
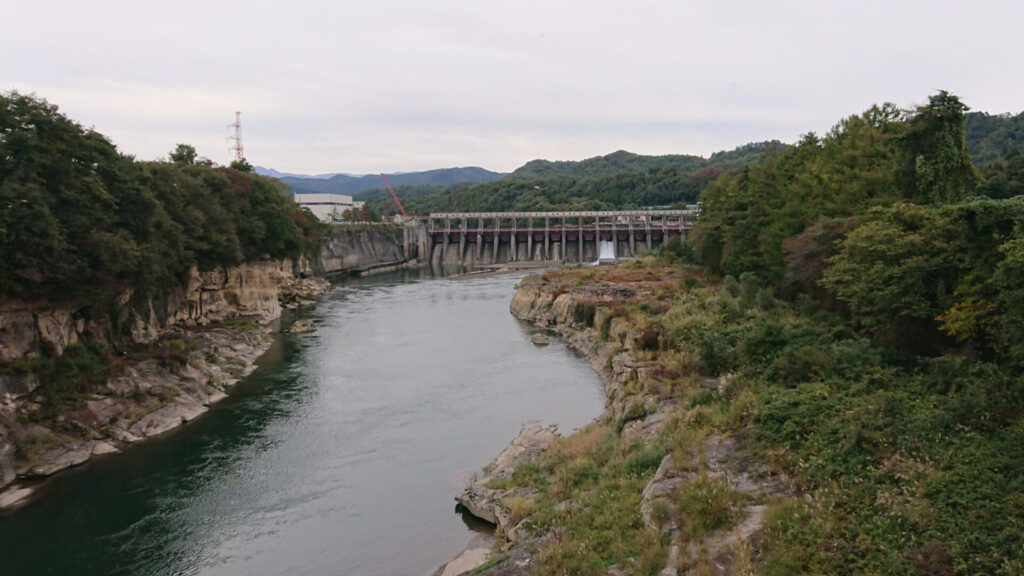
<point>340,455</point>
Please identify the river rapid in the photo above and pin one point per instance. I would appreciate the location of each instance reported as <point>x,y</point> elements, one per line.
<point>340,455</point>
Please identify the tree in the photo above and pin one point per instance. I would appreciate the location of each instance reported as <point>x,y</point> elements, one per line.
<point>367,214</point>
<point>936,166</point>
<point>896,272</point>
<point>242,165</point>
<point>183,154</point>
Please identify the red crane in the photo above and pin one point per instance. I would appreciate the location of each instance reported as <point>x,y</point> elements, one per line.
<point>395,196</point>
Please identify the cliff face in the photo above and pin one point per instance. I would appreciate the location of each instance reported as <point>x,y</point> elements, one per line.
<point>251,289</point>
<point>28,328</point>
<point>149,395</point>
<point>574,313</point>
<point>351,249</point>
<point>182,361</point>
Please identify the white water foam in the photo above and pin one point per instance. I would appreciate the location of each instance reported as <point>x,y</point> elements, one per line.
<point>606,251</point>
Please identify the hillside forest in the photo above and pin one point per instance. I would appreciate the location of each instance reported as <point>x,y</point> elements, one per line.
<point>862,294</point>
<point>80,220</point>
<point>622,180</point>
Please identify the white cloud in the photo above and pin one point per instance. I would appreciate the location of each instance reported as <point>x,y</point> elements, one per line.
<point>402,85</point>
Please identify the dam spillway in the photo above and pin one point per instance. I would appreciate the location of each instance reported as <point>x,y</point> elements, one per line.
<point>481,238</point>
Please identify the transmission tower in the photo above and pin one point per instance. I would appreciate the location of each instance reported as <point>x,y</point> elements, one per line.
<point>236,138</point>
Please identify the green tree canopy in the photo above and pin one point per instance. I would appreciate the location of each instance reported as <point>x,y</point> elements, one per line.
<point>79,219</point>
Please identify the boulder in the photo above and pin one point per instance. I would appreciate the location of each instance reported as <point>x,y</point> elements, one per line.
<point>301,327</point>
<point>11,498</point>
<point>488,503</point>
<point>466,561</point>
<point>167,418</point>
<point>62,457</point>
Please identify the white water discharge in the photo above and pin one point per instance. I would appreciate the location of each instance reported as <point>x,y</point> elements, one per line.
<point>606,251</point>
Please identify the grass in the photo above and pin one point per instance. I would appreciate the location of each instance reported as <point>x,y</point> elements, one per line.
<point>66,380</point>
<point>899,464</point>
<point>245,324</point>
<point>603,477</point>
<point>518,508</point>
<point>706,505</point>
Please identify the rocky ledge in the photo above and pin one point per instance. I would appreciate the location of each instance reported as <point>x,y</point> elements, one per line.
<point>485,499</point>
<point>151,396</point>
<point>164,382</point>
<point>583,313</point>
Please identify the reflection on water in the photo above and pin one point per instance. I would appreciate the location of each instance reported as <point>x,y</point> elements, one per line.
<point>341,455</point>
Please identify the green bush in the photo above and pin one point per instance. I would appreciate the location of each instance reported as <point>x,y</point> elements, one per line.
<point>80,370</point>
<point>707,504</point>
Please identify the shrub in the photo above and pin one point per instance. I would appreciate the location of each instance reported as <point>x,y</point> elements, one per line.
<point>716,354</point>
<point>645,462</point>
<point>518,509</point>
<point>649,340</point>
<point>707,504</point>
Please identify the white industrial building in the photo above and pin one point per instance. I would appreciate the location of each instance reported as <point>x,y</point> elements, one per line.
<point>328,207</point>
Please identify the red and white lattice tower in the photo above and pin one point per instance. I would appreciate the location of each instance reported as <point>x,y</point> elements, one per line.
<point>236,138</point>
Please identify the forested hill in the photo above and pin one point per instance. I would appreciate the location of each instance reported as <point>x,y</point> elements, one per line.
<point>79,220</point>
<point>621,180</point>
<point>623,190</point>
<point>878,323</point>
<point>352,185</point>
<point>622,161</point>
<point>993,137</point>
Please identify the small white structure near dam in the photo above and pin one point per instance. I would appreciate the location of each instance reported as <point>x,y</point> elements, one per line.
<point>328,207</point>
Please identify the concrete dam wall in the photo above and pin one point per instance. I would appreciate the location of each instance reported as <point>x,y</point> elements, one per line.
<point>484,238</point>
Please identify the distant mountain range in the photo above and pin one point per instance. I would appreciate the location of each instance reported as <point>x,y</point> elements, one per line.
<point>352,184</point>
<point>275,174</point>
<point>622,161</point>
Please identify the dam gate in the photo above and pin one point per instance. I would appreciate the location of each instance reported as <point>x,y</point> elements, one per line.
<point>480,238</point>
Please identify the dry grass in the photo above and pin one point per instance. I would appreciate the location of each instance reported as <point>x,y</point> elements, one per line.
<point>518,509</point>
<point>582,444</point>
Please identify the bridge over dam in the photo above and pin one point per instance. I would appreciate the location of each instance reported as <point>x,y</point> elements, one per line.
<point>481,238</point>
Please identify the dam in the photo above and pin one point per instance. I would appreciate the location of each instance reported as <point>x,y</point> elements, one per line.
<point>481,238</point>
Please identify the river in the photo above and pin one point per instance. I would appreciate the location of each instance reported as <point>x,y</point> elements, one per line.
<point>340,455</point>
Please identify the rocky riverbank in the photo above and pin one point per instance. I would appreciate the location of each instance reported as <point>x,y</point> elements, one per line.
<point>180,363</point>
<point>536,490</point>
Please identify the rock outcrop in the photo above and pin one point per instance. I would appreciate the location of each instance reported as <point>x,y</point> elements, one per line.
<point>584,314</point>
<point>183,363</point>
<point>488,503</point>
<point>31,328</point>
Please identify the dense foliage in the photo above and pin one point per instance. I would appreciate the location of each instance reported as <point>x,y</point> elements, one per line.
<point>80,220</point>
<point>624,190</point>
<point>904,463</point>
<point>622,161</point>
<point>891,377</point>
<point>617,181</point>
<point>991,137</point>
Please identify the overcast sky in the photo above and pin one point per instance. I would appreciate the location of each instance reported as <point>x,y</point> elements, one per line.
<point>403,85</point>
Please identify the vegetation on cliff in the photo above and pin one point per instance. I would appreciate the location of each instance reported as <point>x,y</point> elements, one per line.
<point>80,220</point>
<point>849,314</point>
<point>85,226</point>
